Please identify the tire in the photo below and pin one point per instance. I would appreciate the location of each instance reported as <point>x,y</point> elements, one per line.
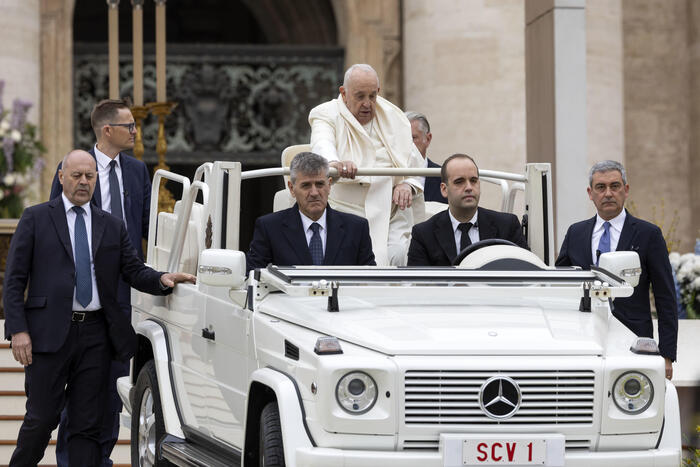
<point>147,426</point>
<point>271,447</point>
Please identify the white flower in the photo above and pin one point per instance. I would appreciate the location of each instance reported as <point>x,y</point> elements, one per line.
<point>20,178</point>
<point>9,179</point>
<point>687,257</point>
<point>685,272</point>
<point>675,259</point>
<point>5,125</point>
<point>696,283</point>
<point>16,135</point>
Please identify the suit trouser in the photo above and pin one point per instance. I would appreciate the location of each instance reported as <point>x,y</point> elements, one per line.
<point>109,431</point>
<point>76,377</point>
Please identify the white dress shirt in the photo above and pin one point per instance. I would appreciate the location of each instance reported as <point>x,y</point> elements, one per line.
<point>616,224</point>
<point>306,222</point>
<point>103,168</point>
<point>70,218</point>
<point>473,232</point>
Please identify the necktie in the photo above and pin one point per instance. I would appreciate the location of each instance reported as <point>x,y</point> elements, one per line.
<point>315,245</point>
<point>465,241</point>
<point>114,192</point>
<point>604,243</point>
<point>83,277</point>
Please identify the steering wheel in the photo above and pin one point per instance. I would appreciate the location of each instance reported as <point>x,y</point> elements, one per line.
<point>479,245</point>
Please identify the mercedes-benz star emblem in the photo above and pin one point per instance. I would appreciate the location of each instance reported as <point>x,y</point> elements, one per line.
<point>500,397</point>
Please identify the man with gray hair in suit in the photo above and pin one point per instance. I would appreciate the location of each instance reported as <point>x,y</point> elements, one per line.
<point>422,137</point>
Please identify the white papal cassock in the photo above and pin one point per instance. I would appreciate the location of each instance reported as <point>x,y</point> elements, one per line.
<point>386,141</point>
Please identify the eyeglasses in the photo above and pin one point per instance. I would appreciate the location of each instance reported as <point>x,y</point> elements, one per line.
<point>602,187</point>
<point>130,126</point>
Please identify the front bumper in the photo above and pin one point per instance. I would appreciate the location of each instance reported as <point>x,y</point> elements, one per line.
<point>323,457</point>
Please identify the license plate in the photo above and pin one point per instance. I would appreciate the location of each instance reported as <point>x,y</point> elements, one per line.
<point>504,452</point>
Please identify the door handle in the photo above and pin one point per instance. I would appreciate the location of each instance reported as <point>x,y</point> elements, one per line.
<point>208,334</point>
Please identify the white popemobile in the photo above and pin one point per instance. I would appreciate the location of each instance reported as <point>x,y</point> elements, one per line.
<point>502,360</point>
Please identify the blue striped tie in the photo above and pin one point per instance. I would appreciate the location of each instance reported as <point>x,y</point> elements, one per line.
<point>604,243</point>
<point>315,245</point>
<point>83,276</point>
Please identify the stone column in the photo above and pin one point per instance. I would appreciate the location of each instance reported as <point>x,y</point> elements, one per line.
<point>604,82</point>
<point>694,163</point>
<point>464,68</point>
<point>555,77</point>
<point>661,96</point>
<point>19,59</point>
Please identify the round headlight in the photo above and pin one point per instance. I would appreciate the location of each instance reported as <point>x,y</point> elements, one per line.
<point>633,392</point>
<point>356,392</point>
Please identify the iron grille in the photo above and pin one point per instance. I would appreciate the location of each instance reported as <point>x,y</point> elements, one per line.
<point>451,397</point>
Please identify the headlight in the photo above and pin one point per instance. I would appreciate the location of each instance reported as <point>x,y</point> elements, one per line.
<point>633,392</point>
<point>356,392</point>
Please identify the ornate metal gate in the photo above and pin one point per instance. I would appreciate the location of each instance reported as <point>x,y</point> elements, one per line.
<point>243,103</point>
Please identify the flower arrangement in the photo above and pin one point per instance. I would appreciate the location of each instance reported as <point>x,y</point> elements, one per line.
<point>687,269</point>
<point>20,157</point>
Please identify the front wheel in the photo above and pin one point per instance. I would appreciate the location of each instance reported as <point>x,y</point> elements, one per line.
<point>271,447</point>
<point>147,425</point>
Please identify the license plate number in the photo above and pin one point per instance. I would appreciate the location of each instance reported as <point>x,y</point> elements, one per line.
<point>504,452</point>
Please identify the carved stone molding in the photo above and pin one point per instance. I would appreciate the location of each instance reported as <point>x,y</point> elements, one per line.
<point>243,103</point>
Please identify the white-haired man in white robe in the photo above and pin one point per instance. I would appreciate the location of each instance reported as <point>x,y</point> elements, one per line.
<point>362,129</point>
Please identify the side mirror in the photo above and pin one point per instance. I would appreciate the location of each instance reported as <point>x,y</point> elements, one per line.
<point>624,264</point>
<point>221,268</point>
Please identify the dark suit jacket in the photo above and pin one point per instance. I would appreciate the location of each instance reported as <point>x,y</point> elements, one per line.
<point>279,239</point>
<point>635,312</point>
<point>433,241</point>
<point>41,255</point>
<point>137,197</point>
<point>431,190</point>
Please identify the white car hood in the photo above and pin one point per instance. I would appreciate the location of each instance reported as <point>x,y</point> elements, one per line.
<point>394,328</point>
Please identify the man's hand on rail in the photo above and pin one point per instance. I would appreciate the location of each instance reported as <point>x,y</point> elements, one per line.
<point>403,194</point>
<point>346,169</point>
<point>170,279</point>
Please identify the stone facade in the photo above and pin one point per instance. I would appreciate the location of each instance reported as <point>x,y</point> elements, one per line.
<point>462,63</point>
<point>661,113</point>
<point>19,58</point>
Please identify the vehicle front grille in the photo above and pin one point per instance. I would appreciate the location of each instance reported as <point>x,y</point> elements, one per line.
<point>451,397</point>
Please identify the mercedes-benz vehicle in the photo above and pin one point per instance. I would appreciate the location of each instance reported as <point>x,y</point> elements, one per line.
<point>500,360</point>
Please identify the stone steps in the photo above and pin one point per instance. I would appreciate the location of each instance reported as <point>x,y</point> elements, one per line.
<point>12,402</point>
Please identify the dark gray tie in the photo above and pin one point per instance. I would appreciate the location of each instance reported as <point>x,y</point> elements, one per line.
<point>465,241</point>
<point>115,192</point>
<point>83,276</point>
<point>315,245</point>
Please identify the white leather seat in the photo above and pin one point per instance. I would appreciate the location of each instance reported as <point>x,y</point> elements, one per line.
<point>283,199</point>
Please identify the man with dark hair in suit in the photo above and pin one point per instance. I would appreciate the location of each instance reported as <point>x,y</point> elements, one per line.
<point>438,241</point>
<point>615,229</point>
<point>310,232</point>
<point>124,190</point>
<point>71,254</point>
<point>420,130</point>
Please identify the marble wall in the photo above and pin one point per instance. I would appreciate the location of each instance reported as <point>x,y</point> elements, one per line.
<point>660,109</point>
<point>464,69</point>
<point>19,60</point>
